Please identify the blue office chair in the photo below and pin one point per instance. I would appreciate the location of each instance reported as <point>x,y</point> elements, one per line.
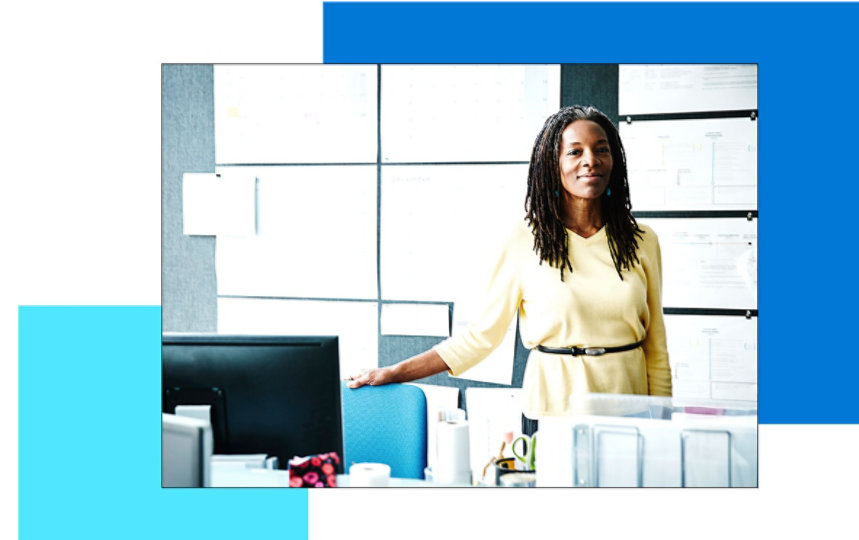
<point>386,424</point>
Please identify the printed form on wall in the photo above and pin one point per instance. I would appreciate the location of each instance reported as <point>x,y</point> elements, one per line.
<point>702,164</point>
<point>713,357</point>
<point>708,262</point>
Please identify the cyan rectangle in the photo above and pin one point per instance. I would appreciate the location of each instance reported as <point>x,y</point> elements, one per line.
<point>90,438</point>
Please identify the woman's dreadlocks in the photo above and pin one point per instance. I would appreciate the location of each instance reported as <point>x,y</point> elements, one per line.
<point>543,205</point>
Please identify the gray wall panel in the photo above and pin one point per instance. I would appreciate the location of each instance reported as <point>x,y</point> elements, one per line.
<point>591,84</point>
<point>188,288</point>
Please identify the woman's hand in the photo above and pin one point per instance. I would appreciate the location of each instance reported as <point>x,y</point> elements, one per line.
<point>417,367</point>
<point>371,377</point>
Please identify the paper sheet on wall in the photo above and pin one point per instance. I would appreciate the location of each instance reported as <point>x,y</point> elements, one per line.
<point>356,324</point>
<point>708,262</point>
<point>492,412</point>
<point>713,394</point>
<point>734,391</point>
<point>713,357</point>
<point>215,204</point>
<point>439,398</point>
<point>415,320</point>
<point>316,236</point>
<point>465,112</point>
<point>706,164</point>
<point>442,227</point>
<point>288,113</point>
<point>673,88</point>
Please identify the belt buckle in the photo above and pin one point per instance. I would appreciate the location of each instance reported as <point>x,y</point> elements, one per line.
<point>594,351</point>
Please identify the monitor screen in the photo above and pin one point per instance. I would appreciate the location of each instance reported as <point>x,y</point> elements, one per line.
<point>276,395</point>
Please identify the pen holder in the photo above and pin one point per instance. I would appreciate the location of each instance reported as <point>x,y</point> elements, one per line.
<point>507,466</point>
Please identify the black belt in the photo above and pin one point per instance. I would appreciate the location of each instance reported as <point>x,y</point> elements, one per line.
<point>589,351</point>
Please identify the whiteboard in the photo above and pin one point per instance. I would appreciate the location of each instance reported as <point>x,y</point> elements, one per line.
<point>439,113</point>
<point>705,164</point>
<point>677,88</point>
<point>708,262</point>
<point>316,235</point>
<point>295,114</point>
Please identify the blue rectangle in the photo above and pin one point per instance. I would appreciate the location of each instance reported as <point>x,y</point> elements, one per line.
<point>90,438</point>
<point>807,133</point>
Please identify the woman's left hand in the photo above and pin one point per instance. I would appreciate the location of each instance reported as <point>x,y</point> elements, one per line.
<point>417,367</point>
<point>371,377</point>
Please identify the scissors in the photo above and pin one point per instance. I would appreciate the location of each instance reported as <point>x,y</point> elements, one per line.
<point>527,456</point>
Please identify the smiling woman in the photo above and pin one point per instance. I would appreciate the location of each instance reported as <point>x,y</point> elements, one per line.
<point>585,162</point>
<point>592,315</point>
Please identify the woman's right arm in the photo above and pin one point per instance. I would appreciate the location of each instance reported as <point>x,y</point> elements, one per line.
<point>482,336</point>
<point>417,367</point>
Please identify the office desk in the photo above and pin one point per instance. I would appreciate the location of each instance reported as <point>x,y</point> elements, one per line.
<point>611,440</point>
<point>240,477</point>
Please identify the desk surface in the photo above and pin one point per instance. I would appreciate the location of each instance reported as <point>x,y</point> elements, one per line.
<point>239,477</point>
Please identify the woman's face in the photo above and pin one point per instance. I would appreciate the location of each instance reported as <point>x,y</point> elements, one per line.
<point>585,160</point>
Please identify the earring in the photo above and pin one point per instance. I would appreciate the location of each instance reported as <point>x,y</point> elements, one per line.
<point>608,192</point>
<point>556,193</point>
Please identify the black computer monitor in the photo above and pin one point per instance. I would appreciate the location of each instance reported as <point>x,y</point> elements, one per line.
<point>274,395</point>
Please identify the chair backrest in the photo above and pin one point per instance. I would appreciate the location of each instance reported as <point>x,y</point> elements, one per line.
<point>386,424</point>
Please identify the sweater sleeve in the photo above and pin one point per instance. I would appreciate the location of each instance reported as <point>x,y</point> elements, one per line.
<point>469,347</point>
<point>655,344</point>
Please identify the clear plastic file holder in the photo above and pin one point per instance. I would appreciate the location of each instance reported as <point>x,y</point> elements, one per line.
<point>643,441</point>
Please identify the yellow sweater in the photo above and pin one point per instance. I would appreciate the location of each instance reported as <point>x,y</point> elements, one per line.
<point>592,307</point>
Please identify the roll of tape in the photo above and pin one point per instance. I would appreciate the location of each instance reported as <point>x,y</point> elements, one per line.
<point>518,479</point>
<point>369,475</point>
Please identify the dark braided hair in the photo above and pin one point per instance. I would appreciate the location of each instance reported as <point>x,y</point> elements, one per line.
<point>543,206</point>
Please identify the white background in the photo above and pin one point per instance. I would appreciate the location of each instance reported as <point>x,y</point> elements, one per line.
<point>80,212</point>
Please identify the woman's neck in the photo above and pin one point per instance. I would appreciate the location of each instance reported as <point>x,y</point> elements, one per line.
<point>583,216</point>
